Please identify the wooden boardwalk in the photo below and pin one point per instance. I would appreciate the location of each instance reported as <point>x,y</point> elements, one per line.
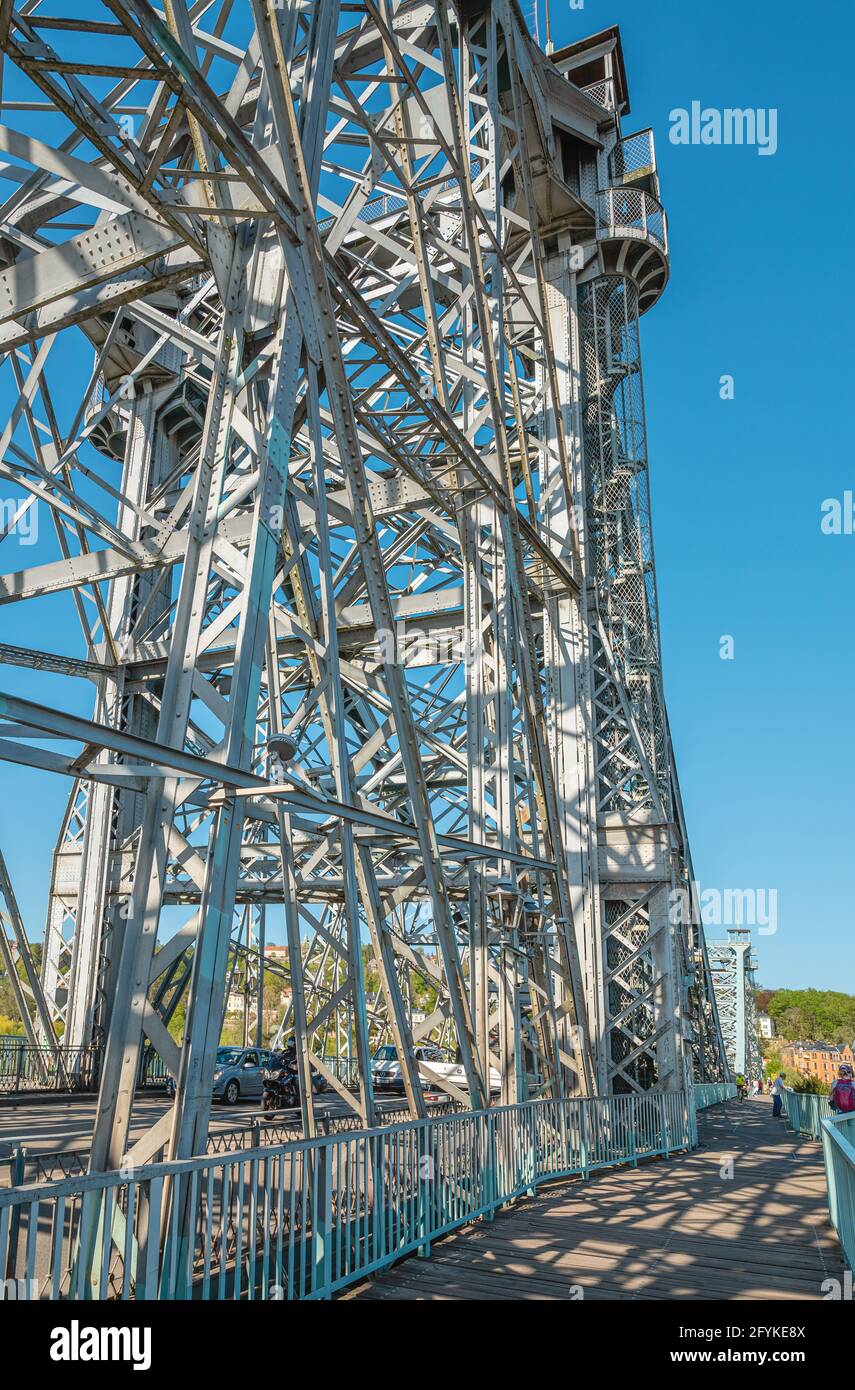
<point>668,1229</point>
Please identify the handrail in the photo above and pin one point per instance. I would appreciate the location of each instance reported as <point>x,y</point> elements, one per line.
<point>812,1115</point>
<point>630,212</point>
<point>25,1067</point>
<point>838,1151</point>
<point>805,1111</point>
<point>305,1219</point>
<point>633,156</point>
<point>706,1093</point>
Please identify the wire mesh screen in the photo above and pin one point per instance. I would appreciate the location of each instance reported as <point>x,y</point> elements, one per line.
<point>622,548</point>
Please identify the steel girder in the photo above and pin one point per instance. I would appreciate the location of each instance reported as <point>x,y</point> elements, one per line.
<point>336,479</point>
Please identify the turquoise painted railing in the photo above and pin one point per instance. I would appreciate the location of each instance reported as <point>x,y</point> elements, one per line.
<point>838,1148</point>
<point>303,1220</point>
<point>812,1115</point>
<point>806,1112</point>
<point>713,1093</point>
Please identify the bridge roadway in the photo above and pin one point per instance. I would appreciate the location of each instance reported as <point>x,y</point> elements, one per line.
<point>64,1125</point>
<point>679,1228</point>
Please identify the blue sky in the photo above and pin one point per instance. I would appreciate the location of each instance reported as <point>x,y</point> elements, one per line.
<point>760,290</point>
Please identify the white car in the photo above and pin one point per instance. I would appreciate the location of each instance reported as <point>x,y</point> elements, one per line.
<point>434,1062</point>
<point>453,1073</point>
<point>386,1069</point>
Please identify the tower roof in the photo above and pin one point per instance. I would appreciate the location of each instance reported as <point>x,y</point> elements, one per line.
<point>581,59</point>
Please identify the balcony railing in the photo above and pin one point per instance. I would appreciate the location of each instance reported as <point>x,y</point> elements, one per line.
<point>630,212</point>
<point>602,92</point>
<point>633,160</point>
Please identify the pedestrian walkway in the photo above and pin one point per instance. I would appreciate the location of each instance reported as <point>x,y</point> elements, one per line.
<point>744,1216</point>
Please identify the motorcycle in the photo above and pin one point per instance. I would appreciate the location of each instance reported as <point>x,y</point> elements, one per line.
<point>281,1086</point>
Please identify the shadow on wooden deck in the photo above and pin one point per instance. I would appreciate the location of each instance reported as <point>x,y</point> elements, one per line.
<point>670,1229</point>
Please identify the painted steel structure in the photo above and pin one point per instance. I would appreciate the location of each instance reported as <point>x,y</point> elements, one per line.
<point>352,514</point>
<point>733,965</point>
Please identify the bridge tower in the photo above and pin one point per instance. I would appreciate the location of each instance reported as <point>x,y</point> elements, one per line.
<point>352,515</point>
<point>734,964</point>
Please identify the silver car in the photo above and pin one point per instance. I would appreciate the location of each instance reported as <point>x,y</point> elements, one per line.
<point>386,1074</point>
<point>239,1073</point>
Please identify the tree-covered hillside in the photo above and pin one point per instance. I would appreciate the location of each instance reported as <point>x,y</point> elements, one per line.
<point>825,1015</point>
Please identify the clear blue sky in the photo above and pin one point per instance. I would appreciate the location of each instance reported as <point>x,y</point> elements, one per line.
<point>761,289</point>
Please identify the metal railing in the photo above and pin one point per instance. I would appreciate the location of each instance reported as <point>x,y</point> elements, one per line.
<point>25,1067</point>
<point>838,1149</point>
<point>26,1166</point>
<point>153,1071</point>
<point>812,1115</point>
<point>707,1093</point>
<point>304,1220</point>
<point>633,158</point>
<point>601,92</point>
<point>806,1112</point>
<point>630,212</point>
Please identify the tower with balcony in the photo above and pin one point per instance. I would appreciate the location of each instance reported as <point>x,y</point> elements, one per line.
<point>651,1003</point>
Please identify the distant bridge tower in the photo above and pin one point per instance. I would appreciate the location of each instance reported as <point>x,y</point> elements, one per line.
<point>733,965</point>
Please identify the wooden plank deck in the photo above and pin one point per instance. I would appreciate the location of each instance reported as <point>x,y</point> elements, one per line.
<point>669,1229</point>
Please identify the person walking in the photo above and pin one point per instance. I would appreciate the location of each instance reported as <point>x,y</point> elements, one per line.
<point>778,1096</point>
<point>842,1096</point>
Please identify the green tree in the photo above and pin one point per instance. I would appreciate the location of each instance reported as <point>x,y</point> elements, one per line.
<point>810,1086</point>
<point>824,1015</point>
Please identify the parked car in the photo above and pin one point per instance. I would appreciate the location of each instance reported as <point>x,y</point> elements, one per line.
<point>453,1072</point>
<point>239,1074</point>
<point>435,1064</point>
<point>386,1069</point>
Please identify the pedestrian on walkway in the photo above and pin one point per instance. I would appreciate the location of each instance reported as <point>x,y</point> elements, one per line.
<point>778,1096</point>
<point>842,1097</point>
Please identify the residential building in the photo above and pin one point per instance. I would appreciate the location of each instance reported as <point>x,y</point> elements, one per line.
<point>819,1059</point>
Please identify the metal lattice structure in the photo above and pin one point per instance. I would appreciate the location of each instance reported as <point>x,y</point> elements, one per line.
<point>351,511</point>
<point>734,966</point>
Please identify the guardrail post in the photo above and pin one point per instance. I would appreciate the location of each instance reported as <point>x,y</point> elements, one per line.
<point>663,1125</point>
<point>426,1178</point>
<point>381,1184</point>
<point>19,1063</point>
<point>583,1139</point>
<point>831,1180</point>
<point>492,1164</point>
<point>633,1127</point>
<point>17,1166</point>
<point>322,1224</point>
<point>691,1101</point>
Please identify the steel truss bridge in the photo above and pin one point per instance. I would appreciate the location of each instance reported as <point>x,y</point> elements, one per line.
<point>321,353</point>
